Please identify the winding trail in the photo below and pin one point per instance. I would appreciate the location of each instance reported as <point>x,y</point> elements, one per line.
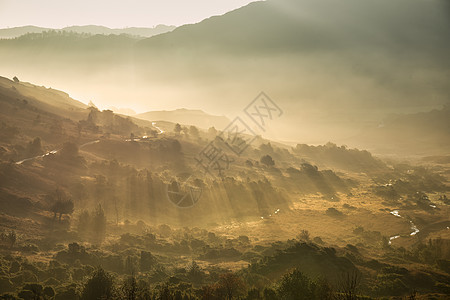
<point>83,145</point>
<point>53,152</point>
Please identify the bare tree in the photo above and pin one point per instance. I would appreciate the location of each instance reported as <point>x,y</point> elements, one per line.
<point>230,284</point>
<point>12,238</point>
<point>348,285</point>
<point>304,235</point>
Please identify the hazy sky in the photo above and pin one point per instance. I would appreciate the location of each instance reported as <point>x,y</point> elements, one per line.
<point>114,14</point>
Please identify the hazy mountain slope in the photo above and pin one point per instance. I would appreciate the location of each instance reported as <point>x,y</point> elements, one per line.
<point>334,67</point>
<point>421,133</point>
<point>186,116</point>
<point>46,99</point>
<point>28,111</point>
<point>317,25</point>
<point>89,29</point>
<point>37,123</point>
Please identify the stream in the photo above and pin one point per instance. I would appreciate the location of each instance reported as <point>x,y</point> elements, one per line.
<point>414,229</point>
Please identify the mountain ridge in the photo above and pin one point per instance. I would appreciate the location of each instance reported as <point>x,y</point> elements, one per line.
<point>194,117</point>
<point>144,32</point>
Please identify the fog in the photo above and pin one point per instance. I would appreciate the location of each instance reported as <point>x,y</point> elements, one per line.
<point>283,150</point>
<point>332,81</point>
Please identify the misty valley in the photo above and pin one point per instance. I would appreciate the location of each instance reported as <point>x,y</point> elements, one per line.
<point>234,158</point>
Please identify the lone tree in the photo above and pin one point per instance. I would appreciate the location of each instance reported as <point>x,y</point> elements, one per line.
<point>296,285</point>
<point>194,272</point>
<point>194,131</point>
<point>62,207</point>
<point>267,160</point>
<point>177,128</point>
<point>34,148</point>
<point>304,235</point>
<point>12,238</point>
<point>69,150</point>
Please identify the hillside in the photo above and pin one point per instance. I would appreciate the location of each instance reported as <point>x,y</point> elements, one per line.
<point>109,185</point>
<point>420,134</point>
<point>186,116</point>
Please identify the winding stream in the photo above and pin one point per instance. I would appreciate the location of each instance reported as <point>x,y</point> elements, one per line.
<point>414,229</point>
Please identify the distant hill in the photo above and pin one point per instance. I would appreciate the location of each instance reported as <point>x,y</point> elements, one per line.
<point>420,133</point>
<point>14,32</point>
<point>186,116</point>
<point>89,29</point>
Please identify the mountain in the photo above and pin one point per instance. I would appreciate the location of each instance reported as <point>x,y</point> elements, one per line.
<point>420,133</point>
<point>185,116</point>
<point>309,25</point>
<point>9,33</point>
<point>88,29</point>
<point>336,68</point>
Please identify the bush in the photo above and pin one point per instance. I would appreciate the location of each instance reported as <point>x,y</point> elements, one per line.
<point>267,160</point>
<point>295,285</point>
<point>100,286</point>
<point>333,212</point>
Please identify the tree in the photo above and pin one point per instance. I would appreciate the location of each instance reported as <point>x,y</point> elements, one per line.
<point>62,207</point>
<point>267,160</point>
<point>147,261</point>
<point>194,273</point>
<point>194,131</point>
<point>131,265</point>
<point>304,235</point>
<point>99,223</point>
<point>177,128</point>
<point>99,286</point>
<point>130,288</point>
<point>269,294</point>
<point>230,285</point>
<point>348,285</point>
<point>49,292</point>
<point>12,238</point>
<point>69,150</point>
<point>16,80</point>
<point>295,286</point>
<point>84,222</point>
<point>176,147</point>
<point>322,289</point>
<point>31,291</point>
<point>34,148</point>
<point>253,294</point>
<point>212,132</point>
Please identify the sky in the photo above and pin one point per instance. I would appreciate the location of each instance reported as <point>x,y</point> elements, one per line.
<point>113,14</point>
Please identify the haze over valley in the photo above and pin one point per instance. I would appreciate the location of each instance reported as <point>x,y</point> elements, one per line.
<point>276,149</point>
